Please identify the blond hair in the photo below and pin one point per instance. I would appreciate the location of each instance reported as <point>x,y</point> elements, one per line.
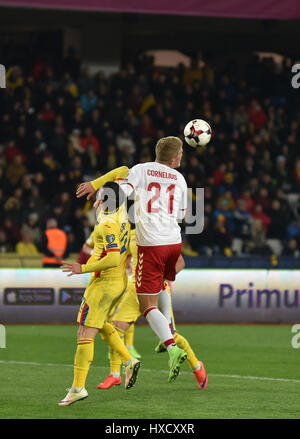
<point>167,148</point>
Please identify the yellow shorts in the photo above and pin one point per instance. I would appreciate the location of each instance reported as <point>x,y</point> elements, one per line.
<point>100,298</point>
<point>128,310</point>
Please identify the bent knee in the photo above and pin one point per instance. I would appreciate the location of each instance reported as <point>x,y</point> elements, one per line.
<point>86,332</point>
<point>122,325</point>
<point>147,301</point>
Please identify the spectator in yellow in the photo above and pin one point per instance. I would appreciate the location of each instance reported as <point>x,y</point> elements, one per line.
<point>15,170</point>
<point>26,246</point>
<point>14,78</point>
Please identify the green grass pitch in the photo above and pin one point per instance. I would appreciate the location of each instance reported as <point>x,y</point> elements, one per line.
<point>253,373</point>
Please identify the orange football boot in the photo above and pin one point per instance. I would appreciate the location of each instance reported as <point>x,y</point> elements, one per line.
<point>201,376</point>
<point>109,382</point>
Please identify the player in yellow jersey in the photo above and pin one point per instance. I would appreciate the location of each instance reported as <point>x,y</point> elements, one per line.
<point>88,249</point>
<point>116,175</point>
<point>126,314</point>
<point>107,284</point>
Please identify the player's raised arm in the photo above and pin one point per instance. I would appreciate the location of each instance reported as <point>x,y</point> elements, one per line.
<point>111,260</point>
<point>71,268</point>
<point>89,188</point>
<point>85,189</point>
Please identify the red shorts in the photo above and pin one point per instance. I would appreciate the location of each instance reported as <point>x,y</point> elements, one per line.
<point>155,263</point>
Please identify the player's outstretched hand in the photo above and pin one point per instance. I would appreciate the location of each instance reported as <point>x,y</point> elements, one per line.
<point>71,267</point>
<point>85,189</point>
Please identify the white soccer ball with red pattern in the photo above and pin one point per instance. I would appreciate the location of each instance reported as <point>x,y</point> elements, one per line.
<point>197,133</point>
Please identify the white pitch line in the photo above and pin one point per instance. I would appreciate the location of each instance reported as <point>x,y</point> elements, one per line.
<point>249,377</point>
<point>216,375</point>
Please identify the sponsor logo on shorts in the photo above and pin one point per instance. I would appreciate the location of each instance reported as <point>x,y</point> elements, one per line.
<point>82,303</point>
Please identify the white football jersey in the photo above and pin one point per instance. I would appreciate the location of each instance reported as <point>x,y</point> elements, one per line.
<point>160,195</point>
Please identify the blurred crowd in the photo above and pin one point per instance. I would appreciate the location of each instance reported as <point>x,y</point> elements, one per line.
<point>61,126</point>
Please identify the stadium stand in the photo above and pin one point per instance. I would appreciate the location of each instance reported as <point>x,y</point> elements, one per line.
<point>60,127</point>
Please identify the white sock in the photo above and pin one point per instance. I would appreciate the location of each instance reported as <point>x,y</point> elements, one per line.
<point>160,326</point>
<point>116,374</point>
<point>127,362</point>
<point>76,389</point>
<point>164,304</point>
<point>170,346</point>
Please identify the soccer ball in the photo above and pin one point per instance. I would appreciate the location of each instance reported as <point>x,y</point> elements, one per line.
<point>197,133</point>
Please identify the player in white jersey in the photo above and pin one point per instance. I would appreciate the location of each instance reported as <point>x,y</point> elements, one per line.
<point>160,201</point>
<point>160,197</point>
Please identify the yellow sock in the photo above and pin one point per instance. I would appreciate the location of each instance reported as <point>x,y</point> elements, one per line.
<point>113,339</point>
<point>115,360</point>
<point>129,335</point>
<point>103,336</point>
<point>184,344</point>
<point>83,359</point>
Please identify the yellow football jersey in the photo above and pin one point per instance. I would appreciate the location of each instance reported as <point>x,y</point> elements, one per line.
<point>111,234</point>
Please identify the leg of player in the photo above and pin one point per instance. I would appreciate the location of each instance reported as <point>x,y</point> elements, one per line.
<point>129,337</point>
<point>196,365</point>
<point>114,378</point>
<point>160,325</point>
<point>131,364</point>
<point>83,359</point>
<point>165,305</point>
